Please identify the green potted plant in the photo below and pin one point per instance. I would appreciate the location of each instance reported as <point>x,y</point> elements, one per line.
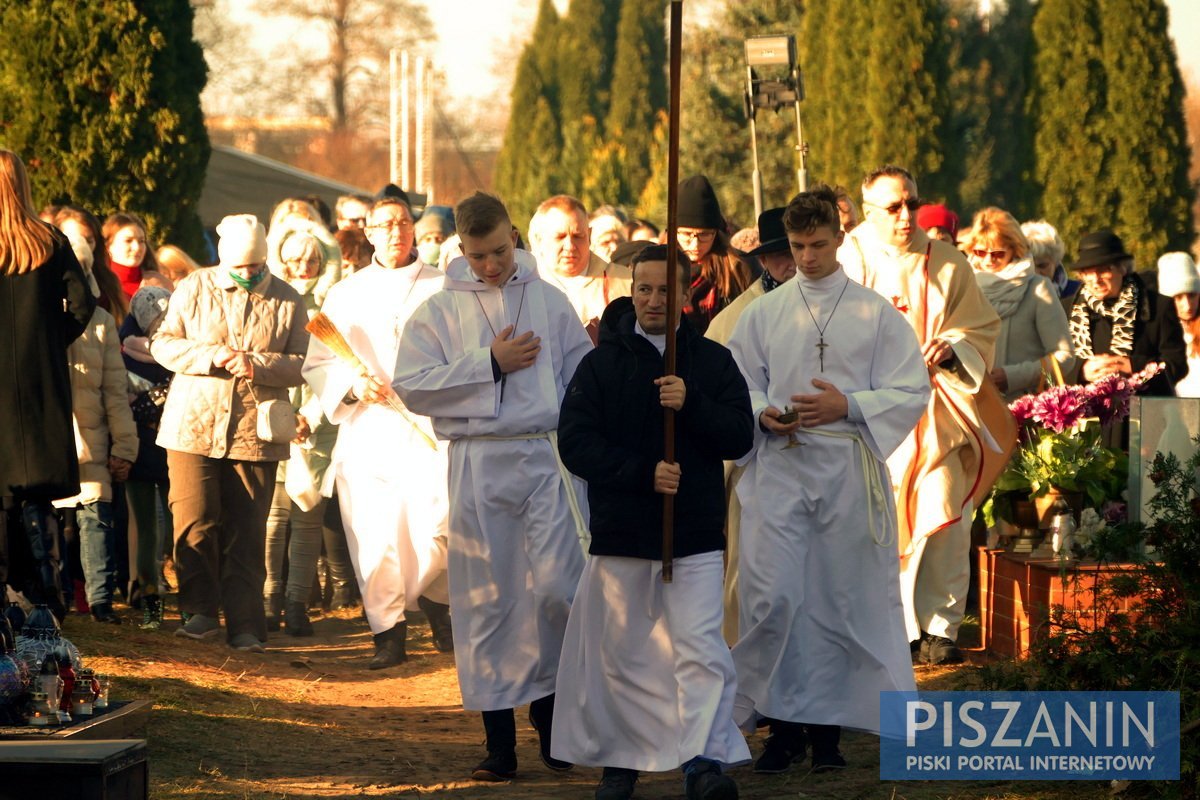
<point>1061,452</point>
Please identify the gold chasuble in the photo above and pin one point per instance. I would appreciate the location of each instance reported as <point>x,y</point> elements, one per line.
<point>942,464</point>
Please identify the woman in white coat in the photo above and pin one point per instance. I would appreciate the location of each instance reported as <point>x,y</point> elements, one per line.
<point>1033,324</point>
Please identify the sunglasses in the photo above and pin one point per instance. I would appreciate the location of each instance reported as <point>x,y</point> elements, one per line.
<point>912,204</point>
<point>996,255</point>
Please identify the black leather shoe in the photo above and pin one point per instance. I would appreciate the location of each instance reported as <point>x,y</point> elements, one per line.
<point>828,762</point>
<point>438,615</point>
<point>826,757</point>
<point>498,766</point>
<point>707,782</point>
<point>779,754</point>
<point>389,648</point>
<point>936,650</point>
<point>616,784</point>
<point>103,612</point>
<point>543,733</point>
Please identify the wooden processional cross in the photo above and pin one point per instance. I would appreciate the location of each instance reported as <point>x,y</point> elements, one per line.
<point>668,531</point>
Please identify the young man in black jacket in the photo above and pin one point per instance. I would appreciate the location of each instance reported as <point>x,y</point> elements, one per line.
<point>645,680</point>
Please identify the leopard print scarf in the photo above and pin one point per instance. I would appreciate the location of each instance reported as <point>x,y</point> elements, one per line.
<point>1121,313</point>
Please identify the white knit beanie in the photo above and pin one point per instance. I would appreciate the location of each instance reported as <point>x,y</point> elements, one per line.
<point>243,241</point>
<point>1177,275</point>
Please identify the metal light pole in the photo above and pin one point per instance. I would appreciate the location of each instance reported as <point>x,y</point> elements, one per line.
<point>773,51</point>
<point>419,82</point>
<point>405,117</point>
<point>756,175</point>
<point>393,116</point>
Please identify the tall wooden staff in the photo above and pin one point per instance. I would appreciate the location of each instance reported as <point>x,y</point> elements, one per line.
<point>673,299</point>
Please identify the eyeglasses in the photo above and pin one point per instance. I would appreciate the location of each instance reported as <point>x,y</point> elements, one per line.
<point>395,226</point>
<point>996,255</point>
<point>703,235</point>
<point>912,204</point>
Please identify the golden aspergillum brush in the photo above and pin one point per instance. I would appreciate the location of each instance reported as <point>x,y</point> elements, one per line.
<point>327,333</point>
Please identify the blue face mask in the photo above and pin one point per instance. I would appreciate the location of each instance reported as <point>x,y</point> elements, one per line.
<point>429,252</point>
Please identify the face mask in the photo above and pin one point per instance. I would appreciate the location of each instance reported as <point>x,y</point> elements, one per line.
<point>248,283</point>
<point>429,252</point>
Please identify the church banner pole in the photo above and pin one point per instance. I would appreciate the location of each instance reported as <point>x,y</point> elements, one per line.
<point>673,298</point>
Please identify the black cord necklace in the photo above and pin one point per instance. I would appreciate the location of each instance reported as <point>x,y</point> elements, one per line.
<point>821,345</point>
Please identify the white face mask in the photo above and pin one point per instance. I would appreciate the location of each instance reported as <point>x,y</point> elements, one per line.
<point>429,252</point>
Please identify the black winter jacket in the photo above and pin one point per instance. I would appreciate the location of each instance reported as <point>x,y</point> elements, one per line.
<point>610,433</point>
<point>1157,336</point>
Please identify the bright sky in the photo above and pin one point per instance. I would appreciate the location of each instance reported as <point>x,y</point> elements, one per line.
<point>477,36</point>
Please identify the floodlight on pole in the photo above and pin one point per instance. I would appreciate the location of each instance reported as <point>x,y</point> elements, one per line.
<point>774,51</point>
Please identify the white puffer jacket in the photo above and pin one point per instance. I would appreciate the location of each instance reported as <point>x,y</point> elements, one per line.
<point>103,422</point>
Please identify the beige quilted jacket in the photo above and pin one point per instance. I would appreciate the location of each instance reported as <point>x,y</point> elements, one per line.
<point>208,411</point>
<point>103,422</point>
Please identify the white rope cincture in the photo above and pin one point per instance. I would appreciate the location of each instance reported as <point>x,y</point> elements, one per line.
<point>869,465</point>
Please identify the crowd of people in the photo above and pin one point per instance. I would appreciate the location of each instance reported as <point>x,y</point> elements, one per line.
<point>475,430</point>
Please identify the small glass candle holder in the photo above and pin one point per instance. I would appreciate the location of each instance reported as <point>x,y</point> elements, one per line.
<point>49,684</point>
<point>82,699</point>
<point>101,701</point>
<point>41,712</point>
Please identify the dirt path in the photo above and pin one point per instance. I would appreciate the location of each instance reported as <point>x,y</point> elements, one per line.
<point>308,720</point>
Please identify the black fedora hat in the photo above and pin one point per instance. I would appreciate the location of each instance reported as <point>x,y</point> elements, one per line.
<point>1100,249</point>
<point>771,233</point>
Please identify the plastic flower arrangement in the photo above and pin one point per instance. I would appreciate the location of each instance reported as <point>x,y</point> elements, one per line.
<point>1060,439</point>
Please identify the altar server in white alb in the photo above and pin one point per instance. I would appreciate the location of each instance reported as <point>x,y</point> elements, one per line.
<point>390,475</point>
<point>489,360</point>
<point>821,620</point>
<point>646,681</point>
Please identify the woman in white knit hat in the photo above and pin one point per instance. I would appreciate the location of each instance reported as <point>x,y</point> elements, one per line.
<point>1179,280</point>
<point>234,337</point>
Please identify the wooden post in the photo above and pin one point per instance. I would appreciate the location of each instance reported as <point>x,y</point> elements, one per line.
<point>673,298</point>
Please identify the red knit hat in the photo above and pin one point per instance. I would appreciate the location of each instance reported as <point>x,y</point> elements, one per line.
<point>937,216</point>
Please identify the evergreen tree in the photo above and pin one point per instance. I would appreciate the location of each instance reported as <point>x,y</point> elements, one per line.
<point>1010,47</point>
<point>581,144</point>
<point>587,49</point>
<point>1149,160</point>
<point>971,78</point>
<point>652,203</point>
<point>607,176</point>
<point>639,95</point>
<point>990,134</point>
<point>528,164</point>
<point>834,56</point>
<point>1073,141</point>
<point>714,139</point>
<point>102,101</point>
<point>906,100</point>
<point>586,52</point>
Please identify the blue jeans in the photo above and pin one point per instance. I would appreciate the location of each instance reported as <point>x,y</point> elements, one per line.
<point>97,550</point>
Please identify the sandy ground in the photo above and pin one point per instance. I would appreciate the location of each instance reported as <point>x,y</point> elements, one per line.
<point>308,720</point>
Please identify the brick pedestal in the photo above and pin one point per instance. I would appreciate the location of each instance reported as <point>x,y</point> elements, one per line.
<point>1018,591</point>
